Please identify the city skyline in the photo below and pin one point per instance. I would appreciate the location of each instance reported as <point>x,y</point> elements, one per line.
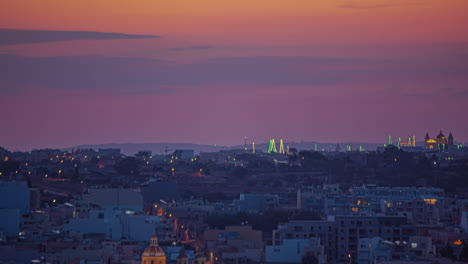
<point>212,72</point>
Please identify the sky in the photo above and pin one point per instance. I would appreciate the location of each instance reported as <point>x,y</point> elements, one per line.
<point>211,72</point>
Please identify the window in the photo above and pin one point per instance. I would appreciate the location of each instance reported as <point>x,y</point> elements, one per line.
<point>414,245</point>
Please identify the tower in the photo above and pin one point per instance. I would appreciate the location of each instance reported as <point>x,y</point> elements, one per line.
<point>253,147</point>
<point>414,141</point>
<point>441,140</point>
<point>390,141</point>
<point>272,146</point>
<point>182,258</point>
<point>153,254</point>
<point>450,139</point>
<point>426,140</point>
<point>245,143</point>
<point>338,149</point>
<point>281,149</point>
<point>399,142</point>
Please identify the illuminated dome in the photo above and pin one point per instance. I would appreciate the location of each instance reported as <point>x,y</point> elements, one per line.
<point>153,250</point>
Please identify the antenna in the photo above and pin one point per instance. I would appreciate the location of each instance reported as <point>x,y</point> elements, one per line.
<point>166,150</point>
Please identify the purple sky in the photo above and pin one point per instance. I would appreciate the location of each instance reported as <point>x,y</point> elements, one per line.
<point>70,87</point>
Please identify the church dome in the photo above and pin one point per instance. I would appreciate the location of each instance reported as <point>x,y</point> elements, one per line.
<point>440,135</point>
<point>153,250</point>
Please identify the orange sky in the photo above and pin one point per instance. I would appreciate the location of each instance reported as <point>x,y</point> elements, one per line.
<point>252,21</point>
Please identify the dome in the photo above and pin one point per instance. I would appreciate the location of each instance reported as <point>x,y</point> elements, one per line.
<point>440,135</point>
<point>153,250</point>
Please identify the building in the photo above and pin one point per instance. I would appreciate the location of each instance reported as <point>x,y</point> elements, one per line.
<point>256,203</point>
<point>373,250</point>
<point>119,198</point>
<point>15,195</point>
<point>183,154</point>
<point>235,244</point>
<point>439,142</point>
<point>293,250</point>
<point>340,234</point>
<point>153,254</point>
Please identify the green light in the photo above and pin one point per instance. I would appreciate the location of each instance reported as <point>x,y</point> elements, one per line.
<point>272,146</point>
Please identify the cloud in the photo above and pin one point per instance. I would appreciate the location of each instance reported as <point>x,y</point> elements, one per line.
<point>16,36</point>
<point>353,6</point>
<point>454,91</point>
<point>154,76</point>
<point>383,4</point>
<point>124,75</point>
<point>200,47</point>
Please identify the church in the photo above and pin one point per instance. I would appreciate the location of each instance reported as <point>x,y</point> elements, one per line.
<point>154,254</point>
<point>440,142</point>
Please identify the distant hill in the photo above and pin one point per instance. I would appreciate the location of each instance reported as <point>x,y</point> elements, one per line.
<point>159,148</point>
<point>156,148</point>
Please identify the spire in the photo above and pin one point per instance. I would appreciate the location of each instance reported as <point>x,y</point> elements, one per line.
<point>154,241</point>
<point>441,135</point>
<point>450,139</point>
